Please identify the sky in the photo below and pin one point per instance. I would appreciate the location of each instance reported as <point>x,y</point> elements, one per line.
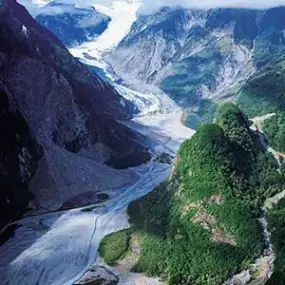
<point>151,6</point>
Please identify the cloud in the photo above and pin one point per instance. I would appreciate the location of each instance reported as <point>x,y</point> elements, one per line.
<point>36,7</point>
<point>151,6</point>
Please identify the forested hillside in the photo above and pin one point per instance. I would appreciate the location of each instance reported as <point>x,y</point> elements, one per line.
<point>264,92</point>
<point>274,129</point>
<point>202,226</point>
<point>277,225</point>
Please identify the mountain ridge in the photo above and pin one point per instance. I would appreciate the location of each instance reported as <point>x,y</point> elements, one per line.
<point>197,55</point>
<point>70,113</point>
<point>71,24</point>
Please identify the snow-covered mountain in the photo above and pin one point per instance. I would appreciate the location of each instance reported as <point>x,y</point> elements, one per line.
<point>71,24</point>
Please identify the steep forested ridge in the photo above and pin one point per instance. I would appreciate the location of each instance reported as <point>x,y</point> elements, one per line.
<point>202,226</point>
<point>274,130</point>
<point>264,92</point>
<point>276,219</point>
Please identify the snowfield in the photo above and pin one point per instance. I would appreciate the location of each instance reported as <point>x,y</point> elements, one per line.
<point>58,248</point>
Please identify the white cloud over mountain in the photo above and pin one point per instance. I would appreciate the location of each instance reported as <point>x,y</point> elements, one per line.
<point>150,6</point>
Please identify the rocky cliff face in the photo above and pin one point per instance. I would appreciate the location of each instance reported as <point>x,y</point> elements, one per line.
<point>72,25</point>
<point>194,55</point>
<point>19,154</point>
<point>64,115</point>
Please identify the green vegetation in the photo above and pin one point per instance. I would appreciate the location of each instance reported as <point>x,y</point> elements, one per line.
<point>244,23</point>
<point>269,44</point>
<point>114,246</point>
<point>264,93</point>
<point>276,219</point>
<point>205,113</point>
<point>268,180</point>
<point>274,130</point>
<point>192,121</point>
<point>195,71</point>
<point>256,175</point>
<point>201,227</point>
<point>149,217</point>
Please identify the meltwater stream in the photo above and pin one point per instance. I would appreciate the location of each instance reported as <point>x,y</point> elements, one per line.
<point>58,248</point>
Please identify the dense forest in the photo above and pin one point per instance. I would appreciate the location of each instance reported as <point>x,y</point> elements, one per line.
<point>264,92</point>
<point>201,226</point>
<point>203,112</point>
<point>276,218</point>
<point>274,130</point>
